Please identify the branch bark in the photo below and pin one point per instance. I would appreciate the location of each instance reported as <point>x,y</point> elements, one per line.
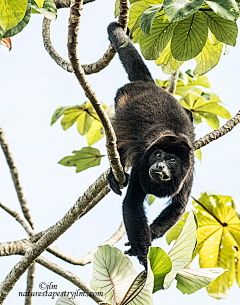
<point>15,177</point>
<point>71,278</point>
<point>74,23</point>
<point>216,134</point>
<point>90,68</point>
<point>86,259</point>
<point>173,82</point>
<point>51,235</point>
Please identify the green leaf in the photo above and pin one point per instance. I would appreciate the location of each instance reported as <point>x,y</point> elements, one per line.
<point>84,123</point>
<point>181,253</point>
<point>57,114</point>
<point>189,37</point>
<point>181,9</point>
<point>176,230</point>
<point>218,239</point>
<point>40,3</point>
<point>224,30</point>
<point>115,276</point>
<point>198,154</point>
<point>160,264</point>
<point>213,39</point>
<point>227,9</point>
<point>150,199</point>
<point>208,58</point>
<point>135,15</point>
<point>83,159</point>
<point>147,18</point>
<point>211,119</point>
<point>167,61</point>
<point>48,10</point>
<point>191,280</point>
<point>116,12</point>
<point>12,12</point>
<point>95,133</point>
<point>214,108</point>
<point>162,30</point>
<point>21,25</point>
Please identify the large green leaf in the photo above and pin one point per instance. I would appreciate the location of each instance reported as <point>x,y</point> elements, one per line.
<point>181,9</point>
<point>82,114</point>
<point>48,9</point>
<point>191,280</point>
<point>208,58</point>
<point>227,9</point>
<point>83,159</point>
<point>11,13</point>
<point>115,276</point>
<point>95,133</point>
<point>162,30</point>
<point>21,25</point>
<point>176,230</point>
<point>189,37</point>
<point>218,239</point>
<point>147,18</point>
<point>167,61</point>
<point>160,264</point>
<point>181,253</point>
<point>135,13</point>
<point>224,30</point>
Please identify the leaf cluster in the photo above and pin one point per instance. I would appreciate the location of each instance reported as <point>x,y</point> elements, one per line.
<point>16,14</point>
<point>171,32</point>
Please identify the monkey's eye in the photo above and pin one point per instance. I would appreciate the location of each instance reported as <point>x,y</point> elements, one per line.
<point>158,155</point>
<point>172,160</point>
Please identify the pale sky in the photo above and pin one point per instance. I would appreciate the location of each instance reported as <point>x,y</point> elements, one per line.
<point>32,88</point>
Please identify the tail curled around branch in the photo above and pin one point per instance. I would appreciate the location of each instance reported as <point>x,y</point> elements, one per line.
<point>131,60</point>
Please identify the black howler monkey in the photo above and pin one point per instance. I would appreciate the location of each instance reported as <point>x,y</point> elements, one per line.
<point>155,136</point>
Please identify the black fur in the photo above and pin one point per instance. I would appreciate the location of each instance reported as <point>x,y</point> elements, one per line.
<point>149,119</point>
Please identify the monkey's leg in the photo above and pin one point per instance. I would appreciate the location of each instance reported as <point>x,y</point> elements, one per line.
<point>173,212</point>
<point>114,185</point>
<point>135,219</point>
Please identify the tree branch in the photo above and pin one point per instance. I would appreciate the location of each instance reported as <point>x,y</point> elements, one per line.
<point>216,134</point>
<point>74,22</point>
<point>90,68</point>
<point>86,259</point>
<point>30,281</point>
<point>71,278</point>
<point>173,82</point>
<point>15,177</point>
<point>19,219</point>
<point>51,235</point>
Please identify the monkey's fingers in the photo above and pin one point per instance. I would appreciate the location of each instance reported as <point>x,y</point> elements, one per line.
<point>127,244</point>
<point>113,183</point>
<point>129,252</point>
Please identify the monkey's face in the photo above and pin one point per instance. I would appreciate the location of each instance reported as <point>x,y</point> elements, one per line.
<point>163,166</point>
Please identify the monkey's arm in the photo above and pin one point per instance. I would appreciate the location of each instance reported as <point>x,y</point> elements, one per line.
<point>135,219</point>
<point>173,212</point>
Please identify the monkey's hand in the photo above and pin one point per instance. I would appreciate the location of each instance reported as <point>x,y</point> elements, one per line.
<point>114,185</point>
<point>142,255</point>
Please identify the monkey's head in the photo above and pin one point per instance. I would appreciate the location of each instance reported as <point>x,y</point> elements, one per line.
<point>164,165</point>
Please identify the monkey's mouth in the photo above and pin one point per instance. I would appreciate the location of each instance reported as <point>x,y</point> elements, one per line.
<point>156,175</point>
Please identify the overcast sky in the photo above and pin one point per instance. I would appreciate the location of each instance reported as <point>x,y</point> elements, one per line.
<point>32,88</point>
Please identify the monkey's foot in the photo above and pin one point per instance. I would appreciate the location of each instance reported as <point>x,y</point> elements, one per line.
<point>114,185</point>
<point>142,256</point>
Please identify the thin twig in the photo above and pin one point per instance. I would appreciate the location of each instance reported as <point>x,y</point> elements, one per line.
<point>71,278</point>
<point>51,235</point>
<point>74,22</point>
<point>86,259</point>
<point>216,134</point>
<point>15,177</point>
<point>173,82</point>
<point>19,219</point>
<point>97,66</point>
<point>30,281</point>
